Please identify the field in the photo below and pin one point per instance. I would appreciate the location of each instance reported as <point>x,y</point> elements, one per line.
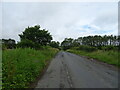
<point>110,57</point>
<point>22,66</point>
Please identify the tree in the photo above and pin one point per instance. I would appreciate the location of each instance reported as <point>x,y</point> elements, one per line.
<point>8,43</point>
<point>97,41</point>
<point>36,35</point>
<point>54,44</point>
<point>67,43</point>
<point>75,43</point>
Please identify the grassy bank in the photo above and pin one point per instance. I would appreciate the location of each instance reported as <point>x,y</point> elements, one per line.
<point>110,57</point>
<point>22,66</point>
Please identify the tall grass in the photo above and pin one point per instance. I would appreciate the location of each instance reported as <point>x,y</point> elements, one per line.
<point>22,66</point>
<point>110,57</point>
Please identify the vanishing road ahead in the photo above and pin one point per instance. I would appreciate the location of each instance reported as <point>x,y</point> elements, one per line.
<point>68,70</point>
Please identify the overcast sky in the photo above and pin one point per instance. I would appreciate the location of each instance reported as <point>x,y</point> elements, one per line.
<point>60,19</point>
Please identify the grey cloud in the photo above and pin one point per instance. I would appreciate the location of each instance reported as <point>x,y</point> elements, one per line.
<point>61,19</point>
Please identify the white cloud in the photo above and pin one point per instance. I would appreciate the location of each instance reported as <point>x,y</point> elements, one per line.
<point>61,19</point>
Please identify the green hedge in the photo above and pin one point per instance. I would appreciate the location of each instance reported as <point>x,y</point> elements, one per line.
<point>86,48</point>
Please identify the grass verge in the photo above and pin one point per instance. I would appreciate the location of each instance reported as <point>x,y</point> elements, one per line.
<point>22,66</point>
<point>109,57</point>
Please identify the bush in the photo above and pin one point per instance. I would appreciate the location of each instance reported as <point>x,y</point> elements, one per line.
<point>25,44</point>
<point>29,44</point>
<point>86,48</point>
<point>107,48</point>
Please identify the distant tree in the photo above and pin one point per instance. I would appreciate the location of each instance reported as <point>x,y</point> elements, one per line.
<point>100,42</point>
<point>36,35</point>
<point>75,43</point>
<point>67,43</point>
<point>54,44</point>
<point>8,43</point>
<point>80,39</point>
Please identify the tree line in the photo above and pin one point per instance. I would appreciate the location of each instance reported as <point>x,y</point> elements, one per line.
<point>93,41</point>
<point>35,37</point>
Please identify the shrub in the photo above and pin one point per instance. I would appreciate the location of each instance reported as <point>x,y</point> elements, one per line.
<point>29,44</point>
<point>25,44</point>
<point>107,48</point>
<point>87,48</point>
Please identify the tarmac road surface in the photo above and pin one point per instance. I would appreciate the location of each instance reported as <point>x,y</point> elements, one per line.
<point>68,70</point>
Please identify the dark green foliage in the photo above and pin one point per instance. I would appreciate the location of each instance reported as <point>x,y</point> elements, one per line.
<point>67,43</point>
<point>28,44</point>
<point>87,48</point>
<point>99,41</point>
<point>109,47</point>
<point>34,34</point>
<point>94,41</point>
<point>54,44</point>
<point>8,44</point>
